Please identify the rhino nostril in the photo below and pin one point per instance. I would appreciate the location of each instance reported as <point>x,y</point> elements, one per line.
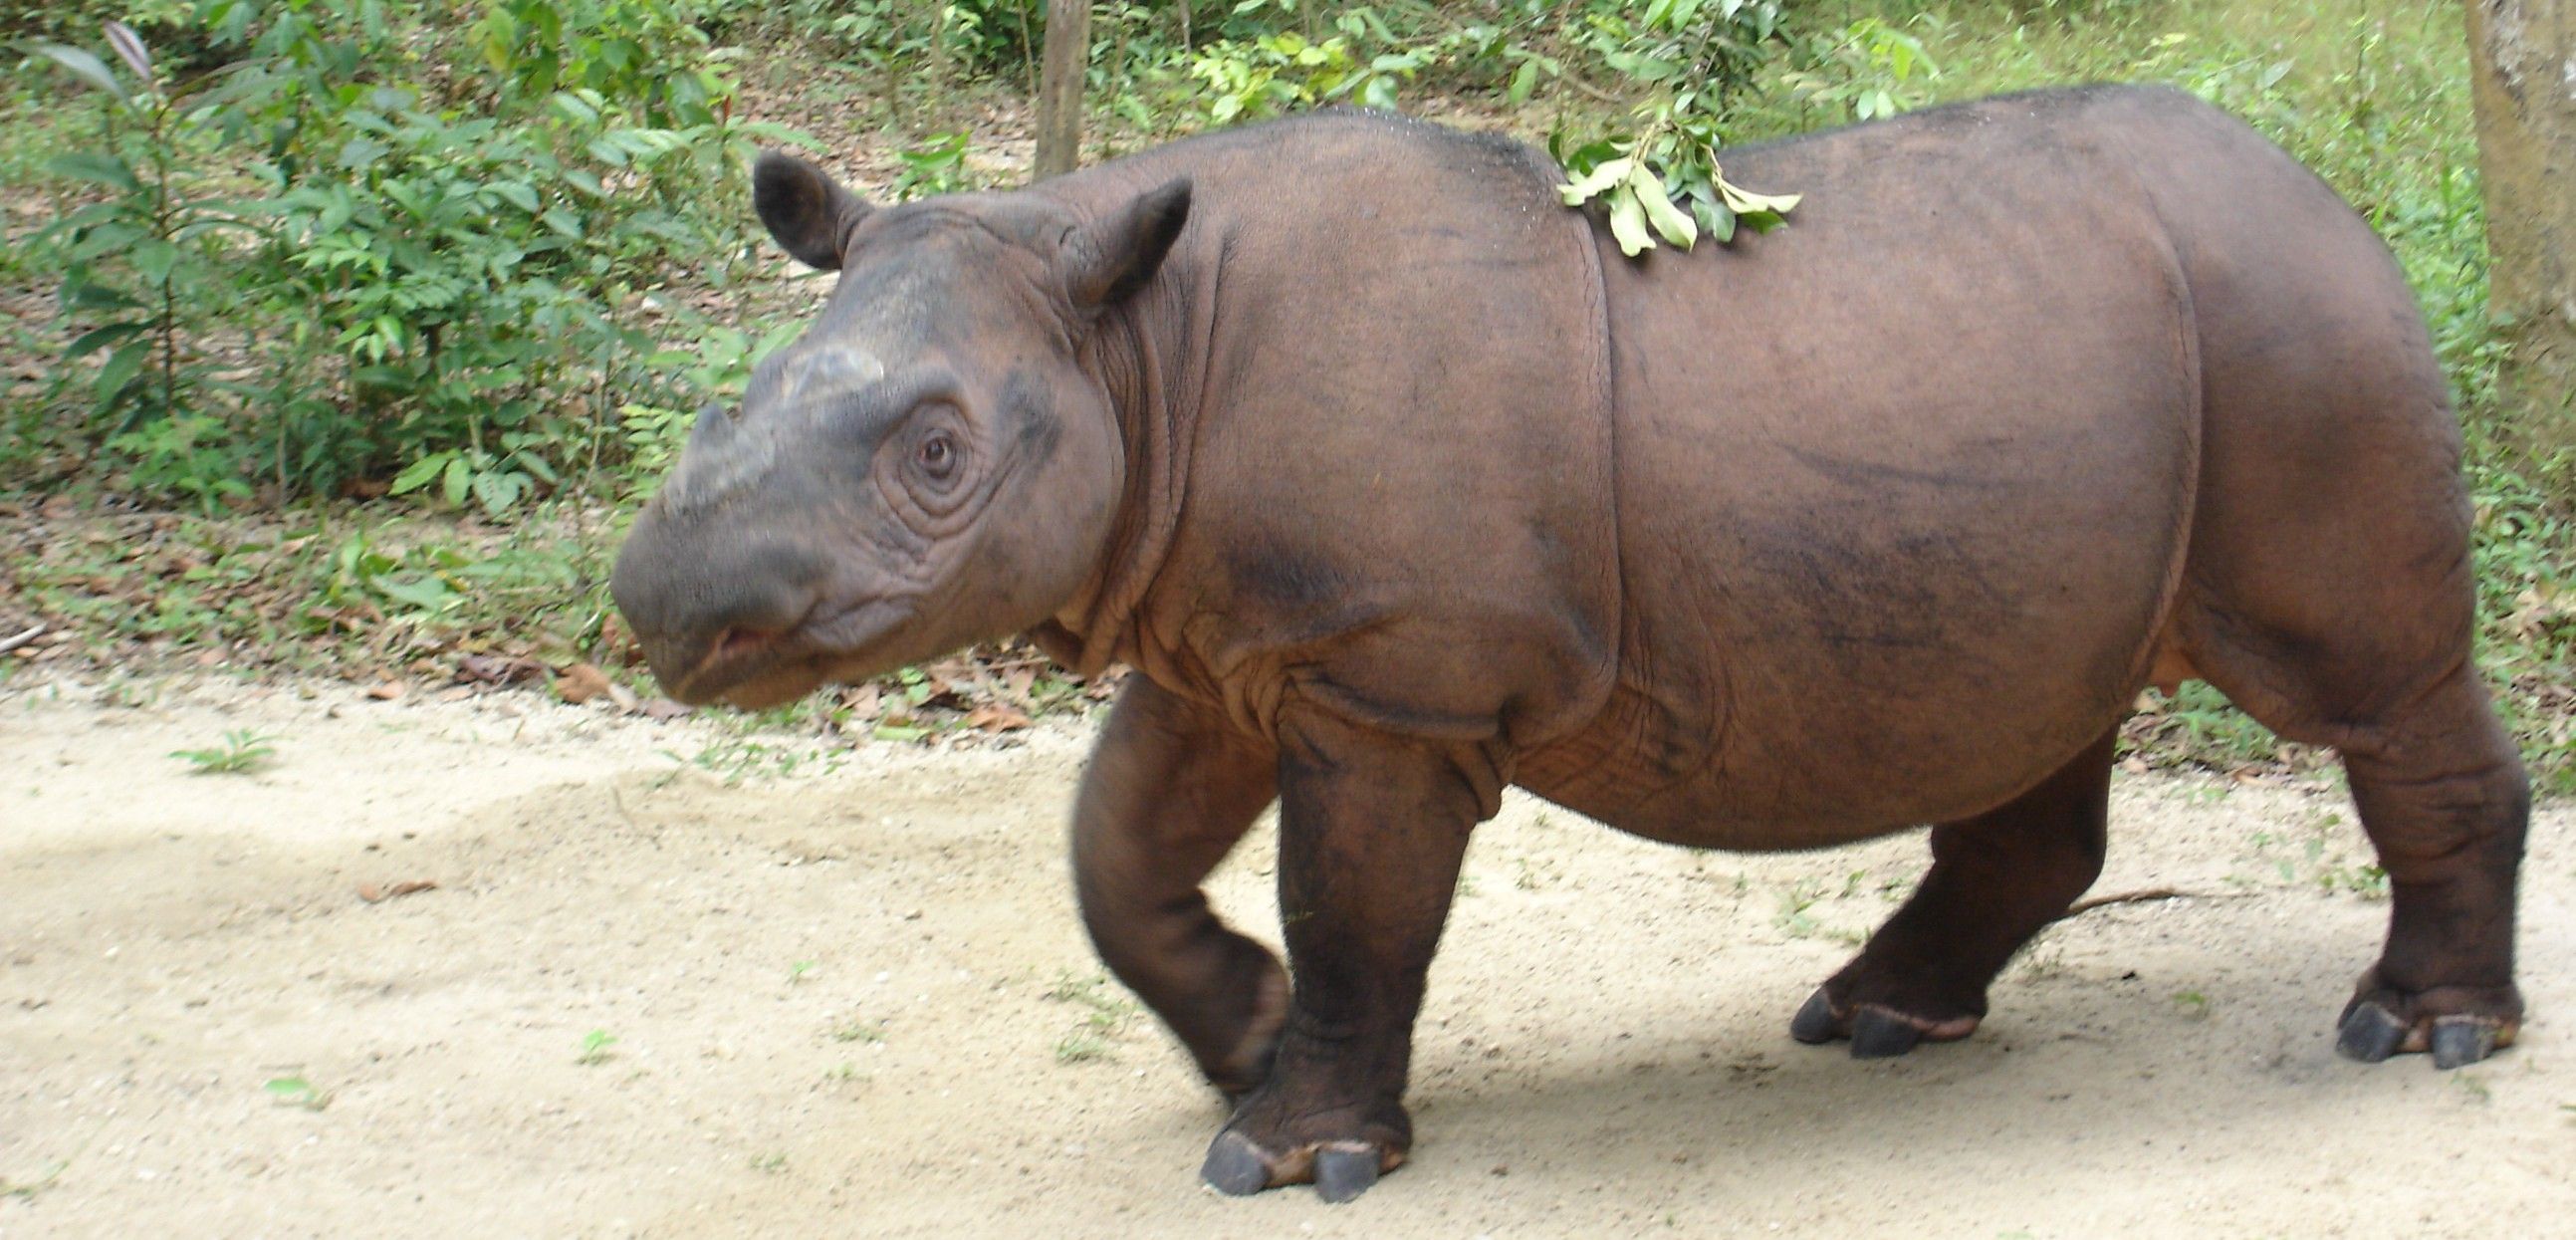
<point>734,643</point>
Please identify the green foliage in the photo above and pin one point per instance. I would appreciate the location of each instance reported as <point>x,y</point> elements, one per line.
<point>441,282</point>
<point>129,260</point>
<point>1361,62</point>
<point>74,19</point>
<point>1655,171</point>
<point>937,166</point>
<point>1871,70</point>
<point>646,54</point>
<point>943,42</point>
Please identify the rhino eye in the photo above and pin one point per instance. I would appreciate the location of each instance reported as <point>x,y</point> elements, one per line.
<point>938,455</point>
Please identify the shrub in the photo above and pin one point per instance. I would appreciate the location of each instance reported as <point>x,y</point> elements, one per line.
<point>361,250</point>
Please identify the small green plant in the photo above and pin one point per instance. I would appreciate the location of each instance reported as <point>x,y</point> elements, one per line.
<point>2316,855</point>
<point>1795,918</point>
<point>937,166</point>
<point>132,263</point>
<point>796,972</point>
<point>2192,1004</point>
<point>597,1047</point>
<point>26,1190</point>
<point>241,753</point>
<point>295,1091</point>
<point>742,758</point>
<point>868,1032</point>
<point>1103,1014</point>
<point>771,1163</point>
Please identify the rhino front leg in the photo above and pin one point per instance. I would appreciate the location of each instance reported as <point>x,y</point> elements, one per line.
<point>1996,880</point>
<point>1169,791</point>
<point>1372,831</point>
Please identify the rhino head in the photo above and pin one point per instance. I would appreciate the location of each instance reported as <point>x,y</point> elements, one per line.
<point>933,463</point>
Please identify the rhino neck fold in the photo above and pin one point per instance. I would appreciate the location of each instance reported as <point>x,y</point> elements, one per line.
<point>1150,354</point>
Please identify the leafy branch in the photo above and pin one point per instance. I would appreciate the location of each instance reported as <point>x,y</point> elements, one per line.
<point>1663,178</point>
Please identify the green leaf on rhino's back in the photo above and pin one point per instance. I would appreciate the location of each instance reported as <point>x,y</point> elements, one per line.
<point>1628,221</point>
<point>1588,186</point>
<point>1668,219</point>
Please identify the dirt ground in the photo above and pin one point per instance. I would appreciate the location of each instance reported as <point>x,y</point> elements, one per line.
<point>856,1002</point>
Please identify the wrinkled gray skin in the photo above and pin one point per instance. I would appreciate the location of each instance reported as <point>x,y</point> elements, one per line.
<point>1396,484</point>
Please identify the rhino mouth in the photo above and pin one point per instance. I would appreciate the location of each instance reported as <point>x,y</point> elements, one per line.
<point>753,670</point>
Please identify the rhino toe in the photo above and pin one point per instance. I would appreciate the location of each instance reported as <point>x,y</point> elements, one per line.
<point>2457,1025</point>
<point>1235,1166</point>
<point>2459,1041</point>
<point>1877,1033</point>
<point>1815,1023</point>
<point>1875,1030</point>
<point>2370,1033</point>
<point>1345,1170</point>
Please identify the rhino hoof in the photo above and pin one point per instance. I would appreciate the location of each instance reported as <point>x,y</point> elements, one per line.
<point>1878,1034</point>
<point>2459,1041</point>
<point>1343,1172</point>
<point>1815,1022</point>
<point>2370,1034</point>
<point>1234,1166</point>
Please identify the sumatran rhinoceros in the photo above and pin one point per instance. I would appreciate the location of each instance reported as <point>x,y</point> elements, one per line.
<point>1396,485</point>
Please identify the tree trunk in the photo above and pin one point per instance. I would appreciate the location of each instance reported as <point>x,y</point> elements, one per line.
<point>1068,58</point>
<point>2523,65</point>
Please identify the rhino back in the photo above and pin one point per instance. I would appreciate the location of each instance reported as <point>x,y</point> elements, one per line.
<point>1903,487</point>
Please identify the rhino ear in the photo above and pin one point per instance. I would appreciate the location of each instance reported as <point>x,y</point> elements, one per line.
<point>805,209</point>
<point>1110,258</point>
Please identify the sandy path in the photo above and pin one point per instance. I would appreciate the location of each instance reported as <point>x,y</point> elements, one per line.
<point>854,1003</point>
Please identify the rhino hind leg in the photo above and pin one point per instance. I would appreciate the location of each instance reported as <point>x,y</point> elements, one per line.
<point>2447,814</point>
<point>2444,800</point>
<point>2354,631</point>
<point>1996,880</point>
<point>1166,796</point>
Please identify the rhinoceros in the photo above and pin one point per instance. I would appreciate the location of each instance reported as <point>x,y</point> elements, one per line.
<point>1396,484</point>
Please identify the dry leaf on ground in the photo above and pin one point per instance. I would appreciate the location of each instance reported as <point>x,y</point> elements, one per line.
<point>375,893</point>
<point>994,717</point>
<point>580,683</point>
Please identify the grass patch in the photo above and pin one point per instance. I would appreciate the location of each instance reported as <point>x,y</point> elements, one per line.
<point>241,752</point>
<point>1103,1014</point>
